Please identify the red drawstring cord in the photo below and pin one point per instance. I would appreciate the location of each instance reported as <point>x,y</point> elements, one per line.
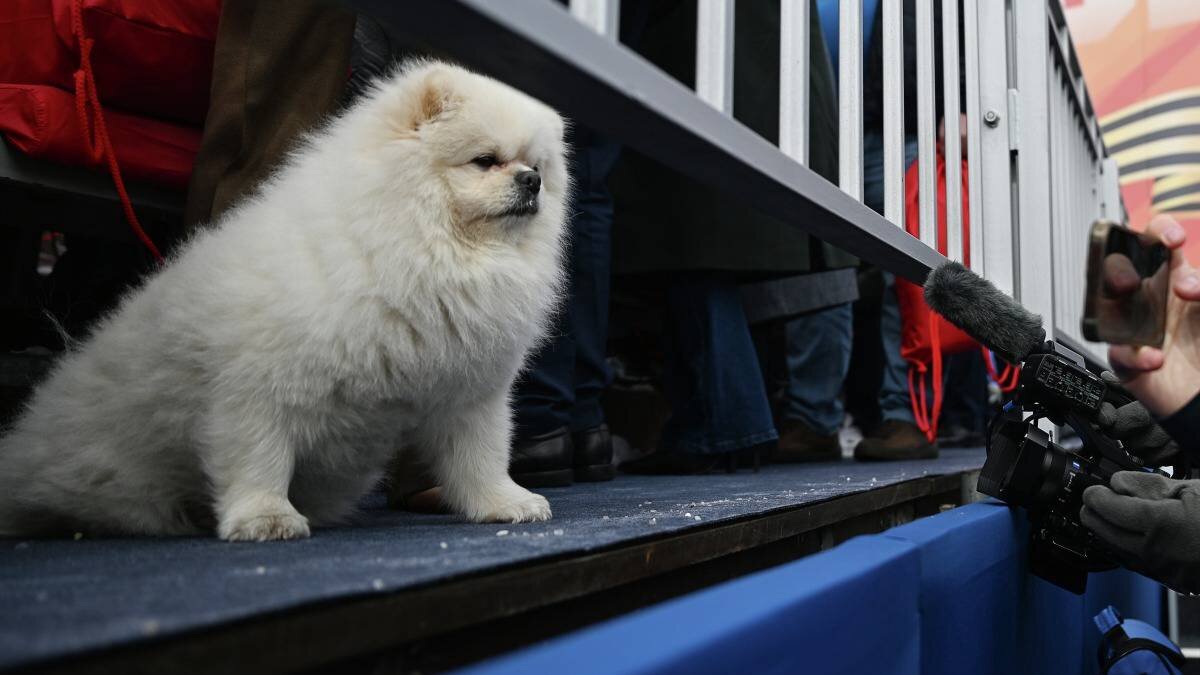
<point>1006,379</point>
<point>95,132</point>
<point>935,335</point>
<point>925,415</point>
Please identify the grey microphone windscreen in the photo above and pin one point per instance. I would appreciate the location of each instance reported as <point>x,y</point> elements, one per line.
<point>972,303</point>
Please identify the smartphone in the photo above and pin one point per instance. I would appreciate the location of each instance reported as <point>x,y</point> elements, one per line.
<point>1127,287</point>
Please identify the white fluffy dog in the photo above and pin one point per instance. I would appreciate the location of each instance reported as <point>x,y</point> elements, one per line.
<point>381,290</point>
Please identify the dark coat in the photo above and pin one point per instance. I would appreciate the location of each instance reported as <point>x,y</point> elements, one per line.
<point>667,222</point>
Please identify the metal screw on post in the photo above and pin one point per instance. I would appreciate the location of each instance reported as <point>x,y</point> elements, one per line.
<point>991,118</point>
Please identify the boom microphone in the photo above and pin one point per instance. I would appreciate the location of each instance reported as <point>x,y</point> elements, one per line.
<point>972,303</point>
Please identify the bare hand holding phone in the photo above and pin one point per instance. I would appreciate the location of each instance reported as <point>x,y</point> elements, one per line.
<point>1167,377</point>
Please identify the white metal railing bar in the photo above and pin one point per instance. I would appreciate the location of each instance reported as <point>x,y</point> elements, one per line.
<point>974,132</point>
<point>1061,176</point>
<point>1035,259</point>
<point>952,143</point>
<point>714,54</point>
<point>992,166</point>
<point>1076,196</point>
<point>850,117</point>
<point>793,79</point>
<point>1110,190</point>
<point>602,16</point>
<point>1034,153</point>
<point>605,86</point>
<point>1064,51</point>
<point>893,111</point>
<point>926,132</point>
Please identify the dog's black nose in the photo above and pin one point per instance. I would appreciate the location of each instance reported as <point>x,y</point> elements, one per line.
<point>530,180</point>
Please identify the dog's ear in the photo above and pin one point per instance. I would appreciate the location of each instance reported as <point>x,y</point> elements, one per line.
<point>434,97</point>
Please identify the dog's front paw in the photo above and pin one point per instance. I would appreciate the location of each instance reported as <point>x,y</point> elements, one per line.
<point>516,505</point>
<point>267,527</point>
<point>281,522</point>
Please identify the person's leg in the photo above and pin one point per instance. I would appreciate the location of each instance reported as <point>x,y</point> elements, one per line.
<point>591,274</point>
<point>964,408</point>
<point>545,392</point>
<point>542,451</point>
<point>712,378</point>
<point>279,67</point>
<point>897,436</point>
<point>591,260</point>
<point>559,395</point>
<point>818,356</point>
<point>894,400</point>
<point>895,404</point>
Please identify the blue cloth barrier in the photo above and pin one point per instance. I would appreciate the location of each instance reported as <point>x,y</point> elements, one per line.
<point>970,567</point>
<point>947,594</point>
<point>835,612</point>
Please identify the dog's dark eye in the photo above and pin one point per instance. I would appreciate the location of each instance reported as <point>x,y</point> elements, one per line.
<point>485,161</point>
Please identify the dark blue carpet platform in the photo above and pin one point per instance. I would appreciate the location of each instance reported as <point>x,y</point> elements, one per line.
<point>949,594</point>
<point>353,589</point>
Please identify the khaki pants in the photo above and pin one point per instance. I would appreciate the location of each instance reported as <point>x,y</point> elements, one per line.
<point>279,68</point>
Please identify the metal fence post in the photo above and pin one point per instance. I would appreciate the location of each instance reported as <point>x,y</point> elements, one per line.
<point>992,165</point>
<point>893,111</point>
<point>714,54</point>
<point>850,119</point>
<point>926,125</point>
<point>971,48</point>
<point>603,16</point>
<point>1035,247</point>
<point>1110,190</point>
<point>793,79</point>
<point>951,107</point>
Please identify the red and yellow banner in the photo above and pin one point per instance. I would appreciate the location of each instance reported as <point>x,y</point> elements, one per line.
<point>1141,60</point>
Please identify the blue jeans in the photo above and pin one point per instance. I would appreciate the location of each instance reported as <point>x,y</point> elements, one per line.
<point>818,356</point>
<point>563,384</point>
<point>819,344</point>
<point>894,401</point>
<point>712,377</point>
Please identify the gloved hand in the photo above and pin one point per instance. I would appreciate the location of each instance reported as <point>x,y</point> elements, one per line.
<point>1152,524</point>
<point>1137,429</point>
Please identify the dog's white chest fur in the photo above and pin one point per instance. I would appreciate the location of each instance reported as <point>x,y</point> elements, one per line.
<point>381,291</point>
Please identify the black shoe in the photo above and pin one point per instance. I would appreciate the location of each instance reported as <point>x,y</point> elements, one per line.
<point>543,460</point>
<point>593,459</point>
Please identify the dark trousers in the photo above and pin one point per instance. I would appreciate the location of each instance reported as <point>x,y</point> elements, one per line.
<point>563,384</point>
<point>966,395</point>
<point>712,377</point>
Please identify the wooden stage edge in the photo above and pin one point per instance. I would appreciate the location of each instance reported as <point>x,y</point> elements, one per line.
<point>455,622</point>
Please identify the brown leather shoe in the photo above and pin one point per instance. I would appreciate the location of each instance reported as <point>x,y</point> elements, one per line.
<point>893,440</point>
<point>798,442</point>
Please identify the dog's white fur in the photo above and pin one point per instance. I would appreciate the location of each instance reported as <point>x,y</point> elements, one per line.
<point>370,296</point>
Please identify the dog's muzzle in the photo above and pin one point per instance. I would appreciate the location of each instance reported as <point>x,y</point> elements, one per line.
<point>525,197</point>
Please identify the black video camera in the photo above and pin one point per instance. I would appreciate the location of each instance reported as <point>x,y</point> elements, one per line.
<point>1024,467</point>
